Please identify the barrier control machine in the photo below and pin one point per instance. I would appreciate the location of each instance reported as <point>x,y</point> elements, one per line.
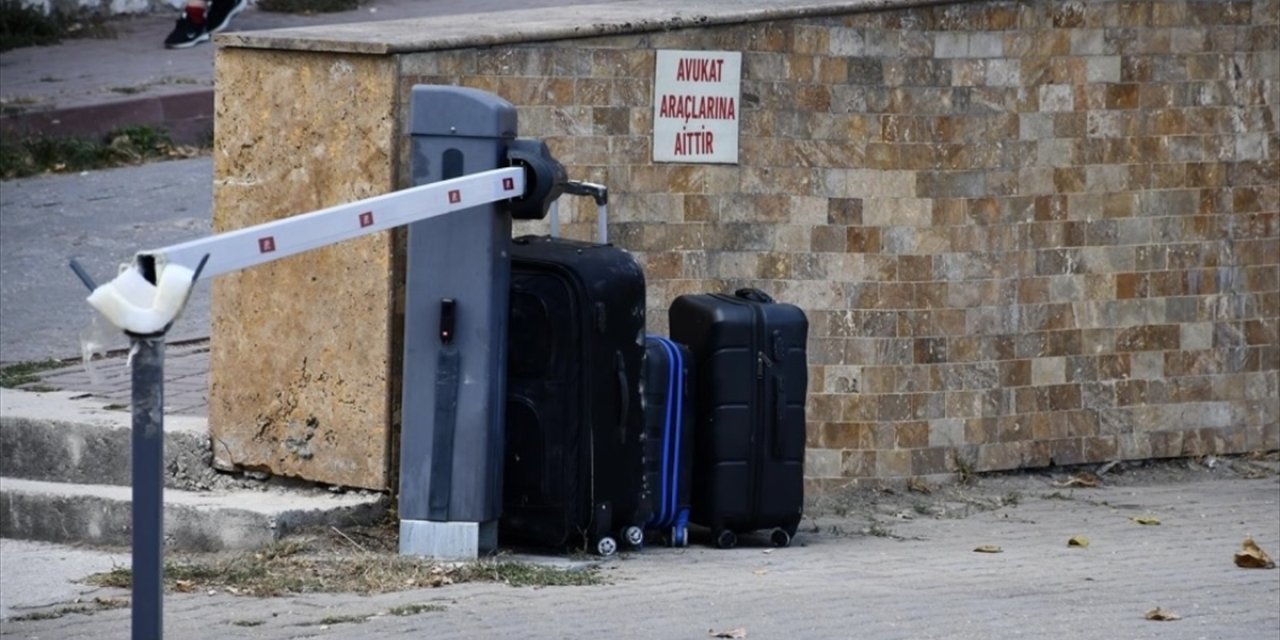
<point>472,176</point>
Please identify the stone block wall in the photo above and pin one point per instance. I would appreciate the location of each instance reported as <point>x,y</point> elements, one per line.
<point>1025,233</point>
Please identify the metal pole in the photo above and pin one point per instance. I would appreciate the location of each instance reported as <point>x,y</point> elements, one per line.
<point>147,354</point>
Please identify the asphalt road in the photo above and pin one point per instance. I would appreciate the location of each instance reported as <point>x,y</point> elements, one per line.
<point>100,218</point>
<point>103,217</point>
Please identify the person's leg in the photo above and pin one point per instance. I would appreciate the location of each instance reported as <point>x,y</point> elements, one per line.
<point>191,29</point>
<point>221,11</point>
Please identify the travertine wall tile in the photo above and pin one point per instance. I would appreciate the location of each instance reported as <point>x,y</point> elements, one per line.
<point>302,382</point>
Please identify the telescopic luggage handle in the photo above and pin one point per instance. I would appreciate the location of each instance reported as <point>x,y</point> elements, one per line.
<point>597,192</point>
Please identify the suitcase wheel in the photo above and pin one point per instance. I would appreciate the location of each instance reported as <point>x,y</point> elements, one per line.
<point>679,537</point>
<point>606,546</point>
<point>780,538</point>
<point>633,535</point>
<point>726,540</point>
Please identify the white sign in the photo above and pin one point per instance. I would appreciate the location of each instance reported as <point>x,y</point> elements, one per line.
<point>696,101</point>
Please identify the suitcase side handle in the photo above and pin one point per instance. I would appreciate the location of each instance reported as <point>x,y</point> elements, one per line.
<point>624,398</point>
<point>753,294</point>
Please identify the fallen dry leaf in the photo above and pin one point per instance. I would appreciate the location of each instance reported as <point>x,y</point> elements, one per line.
<point>1077,541</point>
<point>1162,615</point>
<point>1086,480</point>
<point>760,572</point>
<point>989,548</point>
<point>728,633</point>
<point>1253,557</point>
<point>1148,520</point>
<point>184,586</point>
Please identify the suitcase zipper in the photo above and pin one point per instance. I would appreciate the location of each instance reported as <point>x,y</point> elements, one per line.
<point>761,397</point>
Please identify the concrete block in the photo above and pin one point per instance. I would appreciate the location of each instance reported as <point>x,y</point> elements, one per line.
<point>448,540</point>
<point>60,437</point>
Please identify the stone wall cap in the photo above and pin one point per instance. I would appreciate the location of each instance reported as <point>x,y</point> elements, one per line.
<point>540,25</point>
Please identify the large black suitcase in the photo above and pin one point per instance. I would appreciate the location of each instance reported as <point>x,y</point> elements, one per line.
<point>749,438</point>
<point>572,471</point>
<point>666,392</point>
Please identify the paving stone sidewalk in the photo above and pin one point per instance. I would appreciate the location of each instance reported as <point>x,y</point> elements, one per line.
<point>186,379</point>
<point>917,577</point>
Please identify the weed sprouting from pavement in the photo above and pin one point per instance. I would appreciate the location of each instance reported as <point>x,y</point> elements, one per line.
<point>21,373</point>
<point>22,25</point>
<point>966,470</point>
<point>98,604</point>
<point>21,157</point>
<point>1057,495</point>
<point>415,609</point>
<point>331,620</point>
<point>878,530</point>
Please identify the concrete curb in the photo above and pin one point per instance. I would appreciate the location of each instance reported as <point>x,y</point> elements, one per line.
<point>63,437</point>
<point>187,116</point>
<point>101,515</point>
<point>67,462</point>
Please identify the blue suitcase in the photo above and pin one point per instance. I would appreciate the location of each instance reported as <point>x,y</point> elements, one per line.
<point>668,451</point>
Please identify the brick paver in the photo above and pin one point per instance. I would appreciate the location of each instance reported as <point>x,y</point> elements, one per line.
<point>186,375</point>
<point>922,580</point>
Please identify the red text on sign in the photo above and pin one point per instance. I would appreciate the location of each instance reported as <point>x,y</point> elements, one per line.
<point>700,70</point>
<point>694,143</point>
<point>698,107</point>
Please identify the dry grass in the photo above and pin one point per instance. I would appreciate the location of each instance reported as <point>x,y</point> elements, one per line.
<point>98,604</point>
<point>295,566</point>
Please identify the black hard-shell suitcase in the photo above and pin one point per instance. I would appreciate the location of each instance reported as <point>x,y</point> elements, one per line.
<point>572,471</point>
<point>749,439</point>
<point>666,388</point>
